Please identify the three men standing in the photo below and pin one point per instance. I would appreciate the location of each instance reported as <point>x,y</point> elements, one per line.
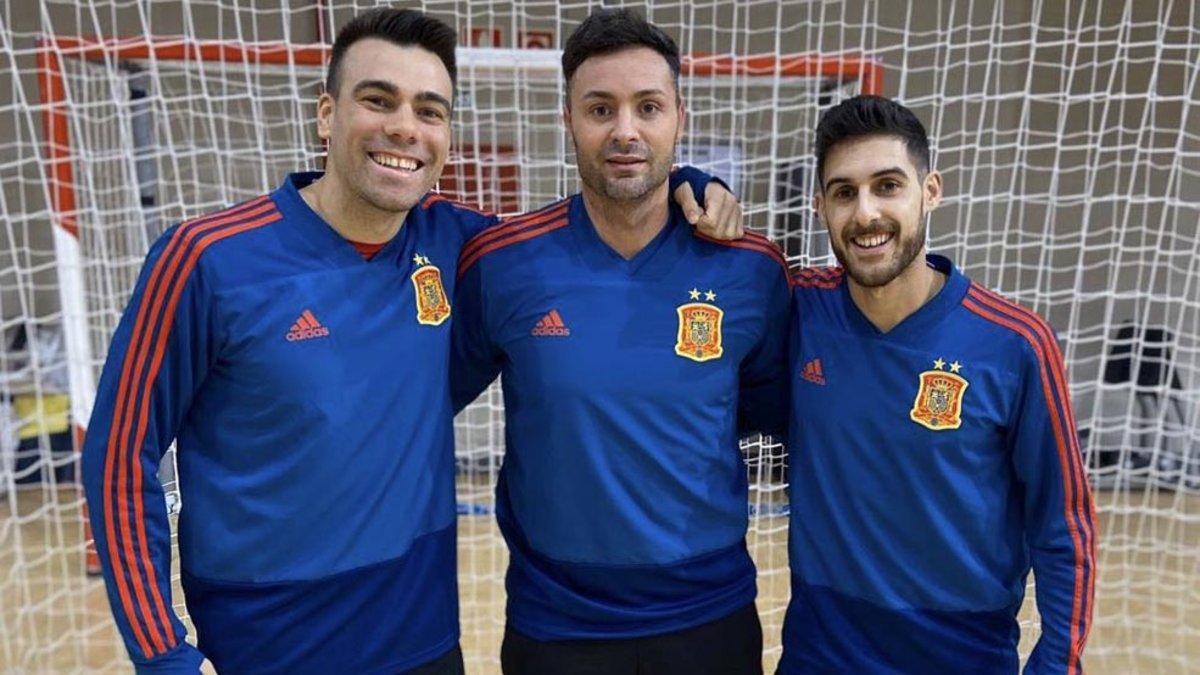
<point>306,335</point>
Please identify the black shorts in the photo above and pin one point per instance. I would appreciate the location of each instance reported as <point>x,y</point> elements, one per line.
<point>450,663</point>
<point>728,646</point>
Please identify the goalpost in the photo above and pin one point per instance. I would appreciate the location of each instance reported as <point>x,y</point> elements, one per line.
<point>1066,136</point>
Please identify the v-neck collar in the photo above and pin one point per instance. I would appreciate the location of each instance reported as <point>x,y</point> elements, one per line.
<point>916,324</point>
<point>600,255</point>
<point>298,213</point>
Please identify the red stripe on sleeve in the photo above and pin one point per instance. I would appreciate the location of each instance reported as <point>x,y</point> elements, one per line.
<point>116,499</point>
<point>156,363</point>
<point>1073,508</point>
<point>752,241</point>
<point>817,277</point>
<point>508,227</point>
<point>1086,507</point>
<point>118,436</point>
<point>1056,364</point>
<point>521,235</point>
<point>434,197</point>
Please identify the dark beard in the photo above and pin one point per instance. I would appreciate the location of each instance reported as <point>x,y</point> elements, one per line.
<point>910,248</point>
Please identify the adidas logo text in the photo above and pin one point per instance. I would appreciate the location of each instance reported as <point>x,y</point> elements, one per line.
<point>306,327</point>
<point>307,334</point>
<point>551,325</point>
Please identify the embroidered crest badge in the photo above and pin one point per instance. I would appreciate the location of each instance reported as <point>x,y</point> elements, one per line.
<point>700,329</point>
<point>939,401</point>
<point>433,307</point>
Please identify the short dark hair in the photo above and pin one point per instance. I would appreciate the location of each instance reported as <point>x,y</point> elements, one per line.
<point>402,27</point>
<point>871,116</point>
<point>611,30</point>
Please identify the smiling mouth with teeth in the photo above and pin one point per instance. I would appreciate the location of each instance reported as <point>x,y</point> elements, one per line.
<point>872,240</point>
<point>393,162</point>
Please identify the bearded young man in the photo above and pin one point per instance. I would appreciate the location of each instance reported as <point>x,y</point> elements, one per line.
<point>634,354</point>
<point>933,454</point>
<point>296,348</point>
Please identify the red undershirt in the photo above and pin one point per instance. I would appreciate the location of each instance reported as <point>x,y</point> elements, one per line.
<point>367,251</point>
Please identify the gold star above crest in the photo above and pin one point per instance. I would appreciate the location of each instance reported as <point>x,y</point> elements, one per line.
<point>694,294</point>
<point>939,364</point>
<point>955,367</point>
<point>710,296</point>
<point>420,259</point>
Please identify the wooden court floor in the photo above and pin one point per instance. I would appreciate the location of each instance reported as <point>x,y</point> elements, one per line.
<point>55,619</point>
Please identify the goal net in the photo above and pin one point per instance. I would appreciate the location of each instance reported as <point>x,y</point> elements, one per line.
<point>1066,136</point>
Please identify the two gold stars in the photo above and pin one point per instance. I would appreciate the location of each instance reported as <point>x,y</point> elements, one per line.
<point>954,367</point>
<point>708,295</point>
<point>420,259</point>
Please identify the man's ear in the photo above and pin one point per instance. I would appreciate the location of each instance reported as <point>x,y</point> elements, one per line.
<point>682,126</point>
<point>325,105</point>
<point>931,190</point>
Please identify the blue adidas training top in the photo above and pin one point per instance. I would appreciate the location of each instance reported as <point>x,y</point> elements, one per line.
<point>627,384</point>
<point>307,391</point>
<point>931,467</point>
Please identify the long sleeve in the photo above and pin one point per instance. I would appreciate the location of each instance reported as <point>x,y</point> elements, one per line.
<point>474,359</point>
<point>1060,527</point>
<point>156,362</point>
<point>763,391</point>
<point>695,177</point>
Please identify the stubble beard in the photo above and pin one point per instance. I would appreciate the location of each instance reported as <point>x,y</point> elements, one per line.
<point>909,249</point>
<point>633,189</point>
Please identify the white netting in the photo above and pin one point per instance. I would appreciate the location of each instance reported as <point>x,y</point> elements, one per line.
<point>1067,136</point>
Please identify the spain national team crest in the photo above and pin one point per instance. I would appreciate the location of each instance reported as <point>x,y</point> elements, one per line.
<point>939,401</point>
<point>433,307</point>
<point>700,329</point>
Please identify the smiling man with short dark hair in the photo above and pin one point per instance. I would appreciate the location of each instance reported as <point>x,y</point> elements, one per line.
<point>933,455</point>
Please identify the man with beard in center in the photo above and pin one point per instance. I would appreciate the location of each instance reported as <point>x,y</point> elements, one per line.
<point>933,454</point>
<point>635,354</point>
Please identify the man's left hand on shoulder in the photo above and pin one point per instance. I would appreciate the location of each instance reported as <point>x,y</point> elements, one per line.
<point>721,216</point>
